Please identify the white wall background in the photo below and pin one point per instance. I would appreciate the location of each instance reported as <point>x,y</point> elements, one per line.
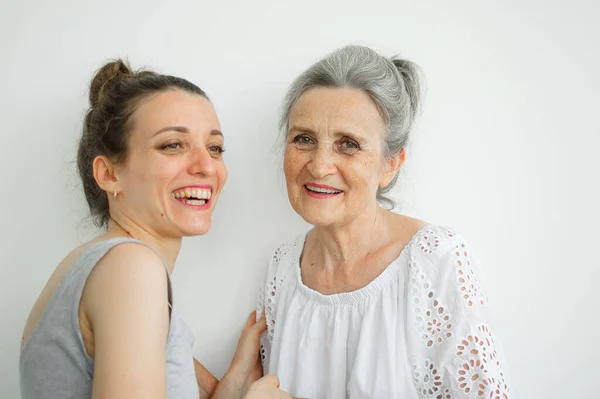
<point>504,153</point>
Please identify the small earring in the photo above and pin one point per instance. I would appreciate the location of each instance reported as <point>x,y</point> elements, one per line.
<point>115,193</point>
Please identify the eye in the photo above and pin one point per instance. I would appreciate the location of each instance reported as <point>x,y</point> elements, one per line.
<point>349,146</point>
<point>175,145</point>
<point>216,149</point>
<point>303,141</point>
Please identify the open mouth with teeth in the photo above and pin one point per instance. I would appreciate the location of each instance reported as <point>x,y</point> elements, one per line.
<point>321,192</point>
<point>192,196</point>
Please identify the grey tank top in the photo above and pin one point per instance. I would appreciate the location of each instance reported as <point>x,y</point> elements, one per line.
<point>54,362</point>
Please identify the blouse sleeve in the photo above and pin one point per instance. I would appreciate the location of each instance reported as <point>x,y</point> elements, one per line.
<point>268,298</point>
<point>454,352</point>
<point>265,338</point>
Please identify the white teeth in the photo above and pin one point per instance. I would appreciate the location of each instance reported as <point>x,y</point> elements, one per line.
<point>322,190</point>
<point>203,194</point>
<point>195,202</point>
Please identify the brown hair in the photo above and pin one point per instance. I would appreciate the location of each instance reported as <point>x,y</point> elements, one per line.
<point>115,93</point>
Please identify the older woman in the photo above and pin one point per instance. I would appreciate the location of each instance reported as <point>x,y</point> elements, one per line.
<point>368,303</point>
<point>106,326</point>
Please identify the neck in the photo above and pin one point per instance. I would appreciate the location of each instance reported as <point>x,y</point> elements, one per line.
<point>167,247</point>
<point>343,246</point>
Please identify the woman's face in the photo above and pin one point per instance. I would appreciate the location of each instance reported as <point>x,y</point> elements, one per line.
<point>333,159</point>
<point>174,170</point>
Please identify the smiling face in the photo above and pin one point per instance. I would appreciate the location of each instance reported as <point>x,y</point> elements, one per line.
<point>333,160</point>
<point>174,171</point>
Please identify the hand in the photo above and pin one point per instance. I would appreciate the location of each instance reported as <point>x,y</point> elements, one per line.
<point>246,360</point>
<point>266,388</point>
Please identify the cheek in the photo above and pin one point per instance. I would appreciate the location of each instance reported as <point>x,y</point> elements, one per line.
<point>292,163</point>
<point>164,172</point>
<point>153,176</point>
<point>222,173</point>
<point>362,174</point>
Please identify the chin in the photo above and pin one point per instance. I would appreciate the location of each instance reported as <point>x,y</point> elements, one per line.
<point>318,218</point>
<point>196,229</point>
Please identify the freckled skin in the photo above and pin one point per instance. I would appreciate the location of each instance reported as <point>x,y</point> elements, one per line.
<point>335,138</point>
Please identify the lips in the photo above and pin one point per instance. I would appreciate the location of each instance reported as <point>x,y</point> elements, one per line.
<point>321,191</point>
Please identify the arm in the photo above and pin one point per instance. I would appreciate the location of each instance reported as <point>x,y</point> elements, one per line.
<point>252,354</point>
<point>206,381</point>
<point>126,302</point>
<point>245,367</point>
<point>454,351</point>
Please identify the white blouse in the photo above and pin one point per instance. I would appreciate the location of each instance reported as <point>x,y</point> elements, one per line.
<point>418,330</point>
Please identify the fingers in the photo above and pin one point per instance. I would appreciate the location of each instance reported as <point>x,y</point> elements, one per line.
<point>260,325</point>
<point>255,328</point>
<point>251,319</point>
<point>268,387</point>
<point>270,380</point>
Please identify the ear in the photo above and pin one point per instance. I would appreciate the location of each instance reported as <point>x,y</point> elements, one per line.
<point>104,174</point>
<point>392,166</point>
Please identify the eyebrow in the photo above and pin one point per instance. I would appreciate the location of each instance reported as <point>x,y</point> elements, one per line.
<point>301,129</point>
<point>339,133</point>
<point>182,129</point>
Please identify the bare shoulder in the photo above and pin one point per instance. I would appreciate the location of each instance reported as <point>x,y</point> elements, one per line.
<point>126,291</point>
<point>131,255</point>
<point>405,227</point>
<point>124,267</point>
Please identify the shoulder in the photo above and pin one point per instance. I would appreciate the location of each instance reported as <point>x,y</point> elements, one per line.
<point>288,248</point>
<point>130,271</point>
<point>284,257</point>
<point>442,261</point>
<point>434,240</point>
<point>286,254</point>
<point>131,259</point>
<point>440,246</point>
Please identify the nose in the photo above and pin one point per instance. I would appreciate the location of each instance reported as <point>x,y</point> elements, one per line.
<point>321,163</point>
<point>201,163</point>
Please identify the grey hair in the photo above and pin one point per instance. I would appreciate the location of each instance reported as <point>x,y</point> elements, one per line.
<point>392,83</point>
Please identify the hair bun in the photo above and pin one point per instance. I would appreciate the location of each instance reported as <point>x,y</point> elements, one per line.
<point>413,81</point>
<point>107,76</point>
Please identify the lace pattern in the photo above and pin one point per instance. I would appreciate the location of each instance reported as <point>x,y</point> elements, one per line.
<point>473,369</point>
<point>452,350</point>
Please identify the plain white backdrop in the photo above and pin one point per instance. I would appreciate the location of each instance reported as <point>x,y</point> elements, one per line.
<point>504,152</point>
